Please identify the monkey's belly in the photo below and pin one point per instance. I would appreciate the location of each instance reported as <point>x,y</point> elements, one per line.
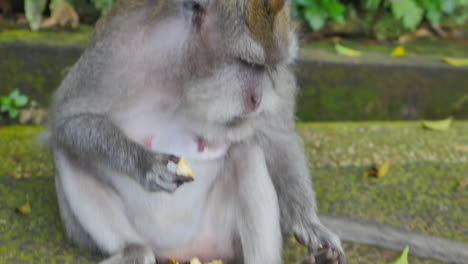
<point>182,225</point>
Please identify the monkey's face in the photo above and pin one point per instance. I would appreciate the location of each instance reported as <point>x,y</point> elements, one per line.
<point>233,50</point>
<point>221,58</point>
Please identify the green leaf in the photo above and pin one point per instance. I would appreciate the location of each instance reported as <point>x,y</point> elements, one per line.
<point>408,11</point>
<point>316,17</point>
<point>448,6</point>
<point>403,259</point>
<point>33,10</point>
<point>440,125</point>
<point>13,112</point>
<point>456,61</point>
<point>14,94</point>
<point>342,50</point>
<point>4,108</point>
<point>433,10</point>
<point>5,101</point>
<point>371,4</point>
<point>336,11</point>
<point>304,2</point>
<point>21,100</point>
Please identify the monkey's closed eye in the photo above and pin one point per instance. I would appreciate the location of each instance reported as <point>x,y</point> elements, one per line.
<point>193,6</point>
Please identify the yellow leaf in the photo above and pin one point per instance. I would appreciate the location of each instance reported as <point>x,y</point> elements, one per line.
<point>195,261</point>
<point>399,51</point>
<point>403,259</point>
<point>184,169</point>
<point>380,170</point>
<point>173,261</point>
<point>383,168</point>
<point>342,50</point>
<point>440,125</point>
<point>25,209</point>
<point>216,262</point>
<point>456,61</point>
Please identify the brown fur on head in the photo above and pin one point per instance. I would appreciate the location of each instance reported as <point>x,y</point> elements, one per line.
<point>268,20</point>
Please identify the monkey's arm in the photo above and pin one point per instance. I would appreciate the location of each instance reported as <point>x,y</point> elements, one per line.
<point>288,167</point>
<point>93,137</point>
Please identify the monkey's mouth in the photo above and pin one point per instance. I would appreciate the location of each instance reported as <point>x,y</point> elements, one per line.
<point>236,121</point>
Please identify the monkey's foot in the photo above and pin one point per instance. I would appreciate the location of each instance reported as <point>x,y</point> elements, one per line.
<point>133,253</point>
<point>326,255</point>
<point>324,245</point>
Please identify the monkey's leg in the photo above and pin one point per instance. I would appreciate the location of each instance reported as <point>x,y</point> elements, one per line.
<point>258,213</point>
<point>288,167</point>
<point>92,212</point>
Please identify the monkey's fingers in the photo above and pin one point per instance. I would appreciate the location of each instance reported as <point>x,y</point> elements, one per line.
<point>328,255</point>
<point>160,178</point>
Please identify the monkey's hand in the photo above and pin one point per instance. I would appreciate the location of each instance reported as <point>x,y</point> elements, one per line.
<point>324,246</point>
<point>157,176</point>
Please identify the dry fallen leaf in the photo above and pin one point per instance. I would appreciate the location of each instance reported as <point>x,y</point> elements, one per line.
<point>456,61</point>
<point>62,14</point>
<point>25,209</point>
<point>342,50</point>
<point>399,51</point>
<point>439,125</point>
<point>3,221</point>
<point>379,171</point>
<point>403,259</point>
<point>463,184</point>
<point>184,169</point>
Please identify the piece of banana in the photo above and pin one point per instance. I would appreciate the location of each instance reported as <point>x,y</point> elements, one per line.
<point>197,261</point>
<point>184,169</point>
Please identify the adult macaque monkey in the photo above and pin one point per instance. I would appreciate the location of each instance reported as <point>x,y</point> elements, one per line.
<point>207,80</point>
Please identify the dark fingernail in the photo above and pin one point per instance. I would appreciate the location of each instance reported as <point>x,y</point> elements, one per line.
<point>299,240</point>
<point>174,159</point>
<point>183,179</point>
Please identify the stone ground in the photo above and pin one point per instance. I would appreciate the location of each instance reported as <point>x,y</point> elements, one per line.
<point>418,194</point>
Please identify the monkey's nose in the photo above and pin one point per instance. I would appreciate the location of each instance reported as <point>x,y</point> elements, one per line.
<point>252,99</point>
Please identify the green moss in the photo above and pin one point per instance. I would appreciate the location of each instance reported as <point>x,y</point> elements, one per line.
<point>22,154</point>
<point>50,38</point>
<point>418,194</point>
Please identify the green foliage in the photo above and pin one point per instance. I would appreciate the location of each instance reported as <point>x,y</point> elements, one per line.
<point>317,12</point>
<point>407,11</point>
<point>33,10</point>
<point>12,103</point>
<point>103,5</point>
<point>379,16</point>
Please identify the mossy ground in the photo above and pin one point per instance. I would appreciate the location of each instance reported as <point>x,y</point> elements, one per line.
<point>418,193</point>
<point>77,37</point>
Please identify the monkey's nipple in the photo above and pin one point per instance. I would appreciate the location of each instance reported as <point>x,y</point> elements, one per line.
<point>200,144</point>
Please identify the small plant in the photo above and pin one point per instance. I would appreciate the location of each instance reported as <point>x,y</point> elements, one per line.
<point>12,103</point>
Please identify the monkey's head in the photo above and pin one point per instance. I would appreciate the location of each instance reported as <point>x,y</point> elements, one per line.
<point>217,60</point>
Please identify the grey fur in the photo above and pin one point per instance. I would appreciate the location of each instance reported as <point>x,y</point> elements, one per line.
<point>206,77</point>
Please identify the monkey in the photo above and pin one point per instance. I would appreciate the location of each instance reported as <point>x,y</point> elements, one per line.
<point>206,80</point>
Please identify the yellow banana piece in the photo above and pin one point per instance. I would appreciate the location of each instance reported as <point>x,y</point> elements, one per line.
<point>184,169</point>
